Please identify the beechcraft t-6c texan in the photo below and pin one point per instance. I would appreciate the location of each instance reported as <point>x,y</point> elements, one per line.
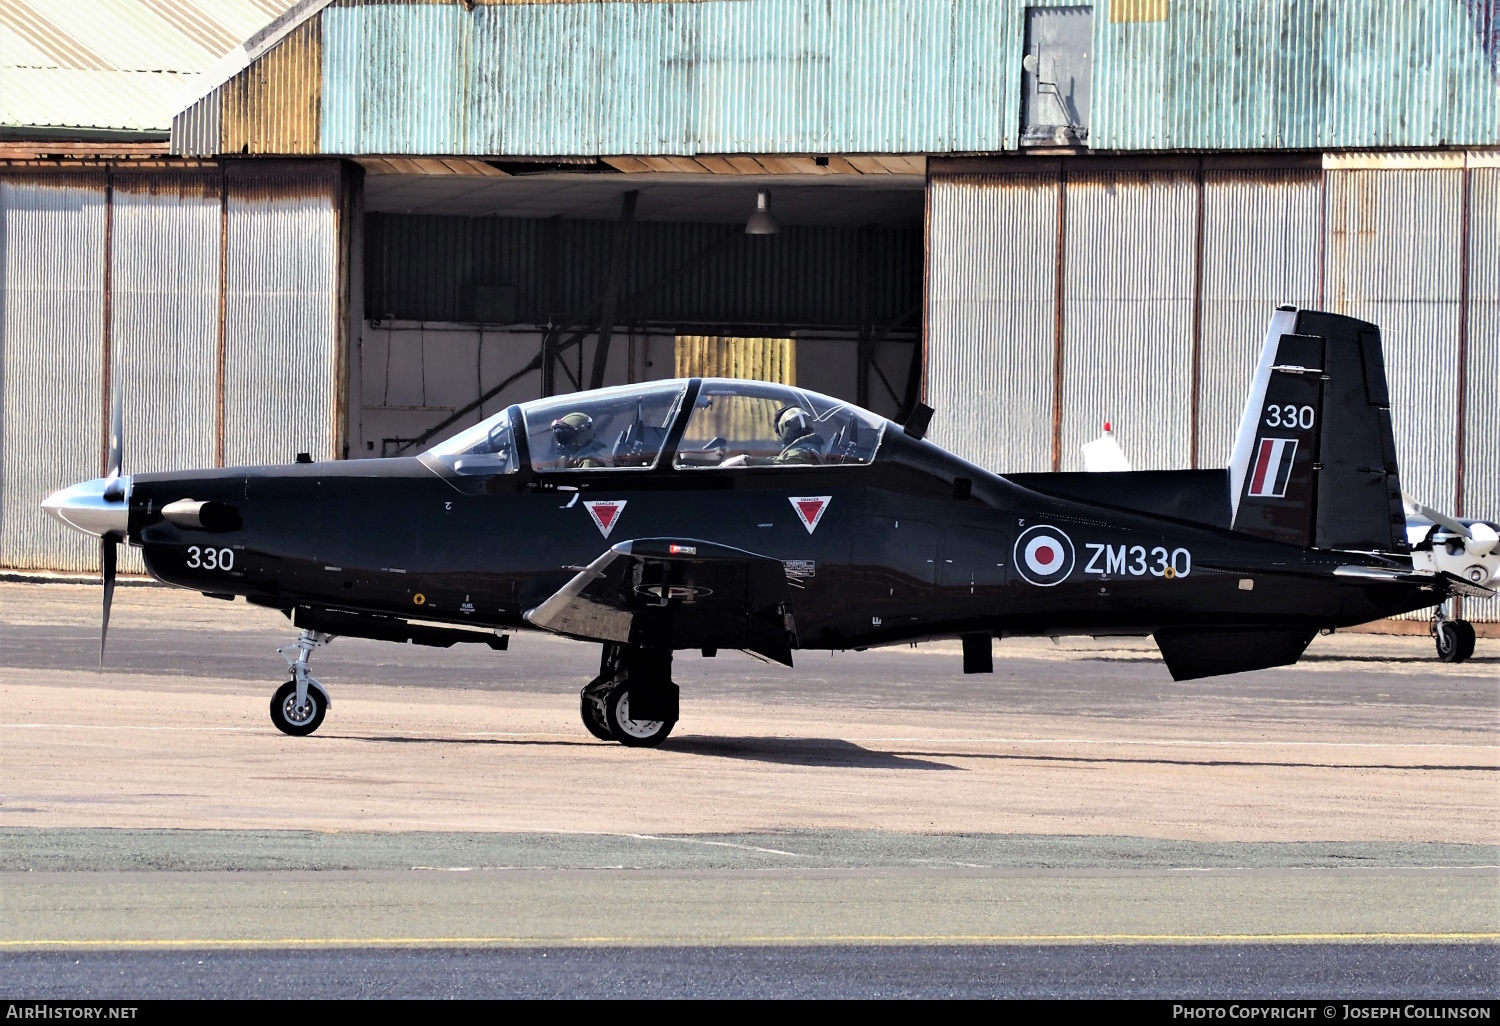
<point>705,513</point>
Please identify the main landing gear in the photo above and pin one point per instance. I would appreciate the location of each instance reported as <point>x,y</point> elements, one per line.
<point>633,700</point>
<point>299,705</point>
<point>1454,638</point>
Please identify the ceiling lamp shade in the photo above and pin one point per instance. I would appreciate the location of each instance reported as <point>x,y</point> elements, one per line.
<point>761,222</point>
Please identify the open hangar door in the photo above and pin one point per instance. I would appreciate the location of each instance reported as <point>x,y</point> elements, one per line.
<point>495,283</point>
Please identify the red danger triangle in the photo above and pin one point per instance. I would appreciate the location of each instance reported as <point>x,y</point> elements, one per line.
<point>809,509</point>
<point>605,514</point>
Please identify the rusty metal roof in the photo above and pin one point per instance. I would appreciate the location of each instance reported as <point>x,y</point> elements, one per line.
<point>113,65</point>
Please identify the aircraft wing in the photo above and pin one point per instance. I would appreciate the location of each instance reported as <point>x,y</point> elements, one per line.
<point>676,593</point>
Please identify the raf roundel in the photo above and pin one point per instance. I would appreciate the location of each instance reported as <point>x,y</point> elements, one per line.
<point>1044,555</point>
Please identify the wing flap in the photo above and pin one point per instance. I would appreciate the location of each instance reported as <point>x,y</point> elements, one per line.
<point>676,593</point>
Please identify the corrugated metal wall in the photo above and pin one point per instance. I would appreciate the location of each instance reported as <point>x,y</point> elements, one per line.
<point>145,245</point>
<point>991,318</point>
<point>198,130</point>
<point>851,76</point>
<point>1297,74</point>
<point>281,318</point>
<point>1393,256</point>
<point>51,359</point>
<point>1481,493</point>
<point>425,268</point>
<point>274,105</point>
<point>1373,237</point>
<point>704,77</point>
<point>1260,250</point>
<point>164,313</point>
<point>1128,316</point>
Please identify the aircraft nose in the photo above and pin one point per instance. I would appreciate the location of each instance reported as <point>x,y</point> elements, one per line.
<point>83,506</point>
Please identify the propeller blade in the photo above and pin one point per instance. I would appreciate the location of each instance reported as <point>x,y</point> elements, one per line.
<point>116,433</point>
<point>108,553</point>
<point>116,456</point>
<point>1457,527</point>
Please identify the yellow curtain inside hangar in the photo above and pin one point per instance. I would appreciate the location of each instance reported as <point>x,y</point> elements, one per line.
<point>716,356</point>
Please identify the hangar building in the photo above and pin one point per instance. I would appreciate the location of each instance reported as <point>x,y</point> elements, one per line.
<point>378,220</point>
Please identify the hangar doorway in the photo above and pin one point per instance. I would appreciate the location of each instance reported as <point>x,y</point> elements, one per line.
<point>495,283</point>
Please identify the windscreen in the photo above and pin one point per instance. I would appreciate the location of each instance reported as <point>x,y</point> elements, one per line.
<point>485,448</point>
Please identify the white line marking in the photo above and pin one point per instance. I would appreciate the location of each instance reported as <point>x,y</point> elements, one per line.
<point>125,726</point>
<point>714,844</point>
<point>1340,868</point>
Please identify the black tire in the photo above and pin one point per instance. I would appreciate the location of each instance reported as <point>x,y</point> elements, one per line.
<point>1455,640</point>
<point>591,709</point>
<point>284,716</point>
<point>633,733</point>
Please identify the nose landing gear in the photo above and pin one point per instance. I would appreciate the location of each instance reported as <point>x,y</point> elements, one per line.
<point>633,700</point>
<point>299,705</point>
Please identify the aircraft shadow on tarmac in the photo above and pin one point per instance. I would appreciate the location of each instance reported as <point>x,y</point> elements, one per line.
<point>790,751</point>
<point>400,739</point>
<point>1253,763</point>
<point>800,751</point>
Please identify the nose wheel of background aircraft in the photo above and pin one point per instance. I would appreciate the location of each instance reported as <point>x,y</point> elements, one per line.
<point>1455,640</point>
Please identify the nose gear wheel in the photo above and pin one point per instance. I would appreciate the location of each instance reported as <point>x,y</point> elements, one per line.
<point>299,705</point>
<point>293,718</point>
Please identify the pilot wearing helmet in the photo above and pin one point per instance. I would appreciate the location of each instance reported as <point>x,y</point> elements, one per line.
<point>577,449</point>
<point>800,443</point>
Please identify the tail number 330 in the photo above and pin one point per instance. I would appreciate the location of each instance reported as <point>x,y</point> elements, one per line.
<point>1291,416</point>
<point>200,558</point>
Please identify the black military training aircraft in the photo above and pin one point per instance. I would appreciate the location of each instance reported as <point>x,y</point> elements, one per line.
<point>708,513</point>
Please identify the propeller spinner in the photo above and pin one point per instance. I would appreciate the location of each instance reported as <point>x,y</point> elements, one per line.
<point>100,507</point>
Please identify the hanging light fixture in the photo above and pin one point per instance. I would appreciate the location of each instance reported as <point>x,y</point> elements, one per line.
<point>762,222</point>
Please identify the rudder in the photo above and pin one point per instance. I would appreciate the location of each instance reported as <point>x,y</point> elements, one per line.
<point>1315,460</point>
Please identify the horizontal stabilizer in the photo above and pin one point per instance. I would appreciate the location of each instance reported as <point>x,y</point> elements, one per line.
<point>1191,653</point>
<point>675,593</point>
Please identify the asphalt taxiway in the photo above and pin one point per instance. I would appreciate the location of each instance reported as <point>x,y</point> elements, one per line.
<point>1319,972</point>
<point>866,821</point>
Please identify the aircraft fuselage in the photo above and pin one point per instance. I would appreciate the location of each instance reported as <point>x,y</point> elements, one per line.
<point>898,550</point>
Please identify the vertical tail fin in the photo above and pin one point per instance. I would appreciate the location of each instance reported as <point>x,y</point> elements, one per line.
<point>1314,463</point>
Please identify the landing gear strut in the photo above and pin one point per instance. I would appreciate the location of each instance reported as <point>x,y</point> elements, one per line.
<point>1454,638</point>
<point>633,700</point>
<point>299,705</point>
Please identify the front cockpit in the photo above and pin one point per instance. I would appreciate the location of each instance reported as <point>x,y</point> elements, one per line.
<point>728,423</point>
